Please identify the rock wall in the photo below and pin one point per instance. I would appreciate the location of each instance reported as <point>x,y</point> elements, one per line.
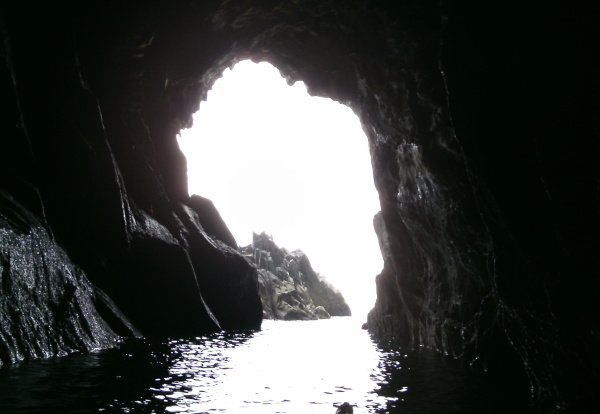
<point>482,124</point>
<point>289,287</point>
<point>84,158</point>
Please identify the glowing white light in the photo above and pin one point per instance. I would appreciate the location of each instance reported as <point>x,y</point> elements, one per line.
<point>274,159</point>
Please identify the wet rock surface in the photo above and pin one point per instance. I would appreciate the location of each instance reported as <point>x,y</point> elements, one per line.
<point>289,287</point>
<point>48,307</point>
<point>482,131</point>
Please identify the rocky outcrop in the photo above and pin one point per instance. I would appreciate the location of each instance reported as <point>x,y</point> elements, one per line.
<point>289,287</point>
<point>482,125</point>
<point>211,220</point>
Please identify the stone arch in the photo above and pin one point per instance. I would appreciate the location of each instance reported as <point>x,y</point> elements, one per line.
<point>422,180</point>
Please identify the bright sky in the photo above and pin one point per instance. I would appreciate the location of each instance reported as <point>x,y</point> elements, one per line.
<point>274,159</point>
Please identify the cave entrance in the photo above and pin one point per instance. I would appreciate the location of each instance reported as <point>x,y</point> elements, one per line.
<point>273,158</point>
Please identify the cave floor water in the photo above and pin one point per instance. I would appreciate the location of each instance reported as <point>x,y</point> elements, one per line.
<point>288,367</point>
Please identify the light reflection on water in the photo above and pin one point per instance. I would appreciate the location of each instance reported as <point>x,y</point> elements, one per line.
<point>289,367</point>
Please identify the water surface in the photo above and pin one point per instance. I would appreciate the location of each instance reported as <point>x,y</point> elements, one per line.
<point>288,367</point>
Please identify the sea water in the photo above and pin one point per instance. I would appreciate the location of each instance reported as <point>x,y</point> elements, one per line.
<point>289,367</point>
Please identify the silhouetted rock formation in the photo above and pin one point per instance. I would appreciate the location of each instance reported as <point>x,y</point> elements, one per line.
<point>211,220</point>
<point>482,126</point>
<point>289,287</point>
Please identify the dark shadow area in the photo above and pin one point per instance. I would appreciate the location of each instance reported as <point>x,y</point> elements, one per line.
<point>424,381</point>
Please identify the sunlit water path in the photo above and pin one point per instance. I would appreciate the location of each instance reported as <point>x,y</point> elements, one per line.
<point>288,367</point>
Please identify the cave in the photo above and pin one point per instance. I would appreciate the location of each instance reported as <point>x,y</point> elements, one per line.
<point>483,131</point>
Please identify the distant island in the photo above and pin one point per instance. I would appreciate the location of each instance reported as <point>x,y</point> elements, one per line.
<point>289,287</point>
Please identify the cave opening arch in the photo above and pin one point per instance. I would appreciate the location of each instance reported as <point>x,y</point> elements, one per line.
<point>418,170</point>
